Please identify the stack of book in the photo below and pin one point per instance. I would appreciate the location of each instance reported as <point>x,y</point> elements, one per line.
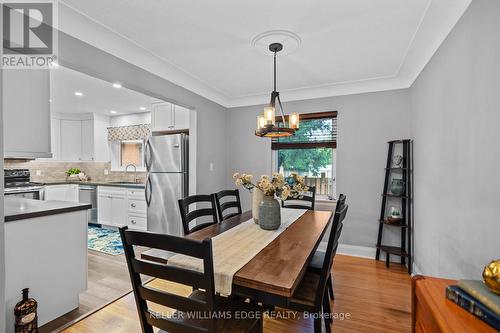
<point>476,298</point>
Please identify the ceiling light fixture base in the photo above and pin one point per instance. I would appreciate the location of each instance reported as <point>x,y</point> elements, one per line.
<point>275,47</point>
<point>289,41</point>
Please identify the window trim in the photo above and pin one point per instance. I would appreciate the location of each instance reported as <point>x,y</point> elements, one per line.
<point>116,160</point>
<point>312,115</point>
<point>276,145</point>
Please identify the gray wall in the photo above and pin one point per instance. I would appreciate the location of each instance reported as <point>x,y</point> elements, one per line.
<point>455,121</point>
<point>365,123</point>
<point>211,117</point>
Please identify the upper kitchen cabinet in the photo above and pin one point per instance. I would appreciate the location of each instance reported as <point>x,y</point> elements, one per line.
<point>168,117</point>
<point>26,112</point>
<point>80,137</point>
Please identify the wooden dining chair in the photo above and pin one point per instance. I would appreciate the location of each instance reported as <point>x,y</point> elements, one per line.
<point>188,215</point>
<point>223,205</point>
<point>311,294</point>
<point>304,202</point>
<point>316,262</point>
<point>194,313</point>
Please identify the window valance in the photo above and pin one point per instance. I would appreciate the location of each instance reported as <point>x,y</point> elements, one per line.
<point>134,132</point>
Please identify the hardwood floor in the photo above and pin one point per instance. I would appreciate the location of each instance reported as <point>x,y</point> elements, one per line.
<point>108,280</point>
<point>372,298</point>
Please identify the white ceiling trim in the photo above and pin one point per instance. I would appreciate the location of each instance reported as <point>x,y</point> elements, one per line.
<point>439,19</point>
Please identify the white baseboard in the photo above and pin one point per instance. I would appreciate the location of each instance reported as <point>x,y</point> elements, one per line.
<point>416,270</point>
<point>358,251</point>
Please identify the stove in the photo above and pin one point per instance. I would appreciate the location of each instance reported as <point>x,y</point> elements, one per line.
<point>18,182</point>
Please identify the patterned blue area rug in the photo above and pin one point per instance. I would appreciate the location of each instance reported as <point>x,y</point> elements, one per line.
<point>104,240</point>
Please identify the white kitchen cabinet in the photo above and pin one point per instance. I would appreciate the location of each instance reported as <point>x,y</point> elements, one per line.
<point>104,209</point>
<point>71,140</point>
<point>168,117</point>
<point>181,117</point>
<point>118,206</point>
<point>63,192</point>
<point>137,221</point>
<point>77,140</point>
<point>88,140</point>
<point>26,113</point>
<point>118,210</point>
<point>55,136</point>
<point>162,117</point>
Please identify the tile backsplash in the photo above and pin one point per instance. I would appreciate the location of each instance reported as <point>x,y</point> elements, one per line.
<point>54,171</point>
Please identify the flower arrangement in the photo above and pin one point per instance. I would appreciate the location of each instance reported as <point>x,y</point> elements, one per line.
<point>292,186</point>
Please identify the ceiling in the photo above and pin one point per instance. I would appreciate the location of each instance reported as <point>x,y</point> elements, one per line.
<point>99,96</point>
<point>347,46</point>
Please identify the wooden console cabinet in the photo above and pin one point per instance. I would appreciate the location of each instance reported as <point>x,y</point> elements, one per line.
<point>433,313</point>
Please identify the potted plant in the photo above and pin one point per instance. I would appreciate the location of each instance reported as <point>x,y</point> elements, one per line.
<point>265,208</point>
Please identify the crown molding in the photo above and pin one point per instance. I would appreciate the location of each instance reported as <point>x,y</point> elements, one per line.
<point>439,19</point>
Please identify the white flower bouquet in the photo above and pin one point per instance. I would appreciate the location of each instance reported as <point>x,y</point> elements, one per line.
<point>283,187</point>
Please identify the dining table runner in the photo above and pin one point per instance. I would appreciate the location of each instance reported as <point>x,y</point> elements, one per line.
<point>234,248</point>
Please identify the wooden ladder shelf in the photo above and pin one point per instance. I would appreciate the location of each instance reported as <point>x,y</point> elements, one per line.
<point>404,170</point>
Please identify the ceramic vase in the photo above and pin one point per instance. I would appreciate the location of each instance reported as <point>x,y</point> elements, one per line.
<point>257,196</point>
<point>269,213</point>
<point>397,186</point>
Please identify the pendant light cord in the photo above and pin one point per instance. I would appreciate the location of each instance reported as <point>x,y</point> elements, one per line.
<point>274,70</point>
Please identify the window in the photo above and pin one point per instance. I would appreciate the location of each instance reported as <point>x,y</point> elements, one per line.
<point>131,153</point>
<point>127,145</point>
<point>125,152</point>
<point>311,152</point>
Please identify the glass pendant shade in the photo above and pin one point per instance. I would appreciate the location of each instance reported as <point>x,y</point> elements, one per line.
<point>270,115</point>
<point>261,121</point>
<point>293,120</point>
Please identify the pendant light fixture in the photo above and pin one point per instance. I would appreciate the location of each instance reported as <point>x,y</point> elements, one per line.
<point>266,122</point>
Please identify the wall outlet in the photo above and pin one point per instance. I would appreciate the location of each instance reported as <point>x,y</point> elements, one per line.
<point>211,166</point>
<point>106,172</point>
<point>38,172</point>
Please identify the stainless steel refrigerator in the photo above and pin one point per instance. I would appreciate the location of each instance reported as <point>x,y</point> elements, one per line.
<point>166,159</point>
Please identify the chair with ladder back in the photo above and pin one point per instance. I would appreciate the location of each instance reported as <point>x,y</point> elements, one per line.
<point>189,215</point>
<point>306,201</point>
<point>194,313</point>
<point>224,204</point>
<point>311,294</point>
<point>319,256</point>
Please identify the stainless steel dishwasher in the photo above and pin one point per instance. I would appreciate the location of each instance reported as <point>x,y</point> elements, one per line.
<point>88,194</point>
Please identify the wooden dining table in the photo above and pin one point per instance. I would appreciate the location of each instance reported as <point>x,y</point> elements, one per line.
<point>273,275</point>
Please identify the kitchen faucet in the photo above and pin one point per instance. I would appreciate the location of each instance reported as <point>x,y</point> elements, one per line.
<point>136,180</point>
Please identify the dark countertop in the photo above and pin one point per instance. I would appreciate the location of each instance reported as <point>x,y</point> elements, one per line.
<point>20,208</point>
<point>97,183</point>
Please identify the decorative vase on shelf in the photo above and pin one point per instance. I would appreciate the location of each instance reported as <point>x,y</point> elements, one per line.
<point>397,186</point>
<point>395,215</point>
<point>257,196</point>
<point>269,213</point>
<point>397,161</point>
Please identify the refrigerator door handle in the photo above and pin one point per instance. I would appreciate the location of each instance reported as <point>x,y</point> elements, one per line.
<point>148,187</point>
<point>147,155</point>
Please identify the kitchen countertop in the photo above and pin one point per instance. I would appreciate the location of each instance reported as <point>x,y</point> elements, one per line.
<point>16,208</point>
<point>96,183</point>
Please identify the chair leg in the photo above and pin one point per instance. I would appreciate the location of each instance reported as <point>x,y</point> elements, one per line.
<point>327,311</point>
<point>260,326</point>
<point>330,288</point>
<point>317,325</point>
